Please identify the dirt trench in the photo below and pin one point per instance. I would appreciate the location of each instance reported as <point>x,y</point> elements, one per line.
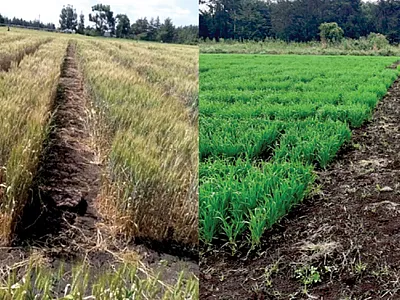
<point>68,178</point>
<point>348,231</point>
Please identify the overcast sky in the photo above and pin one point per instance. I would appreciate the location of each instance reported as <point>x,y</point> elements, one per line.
<point>182,12</point>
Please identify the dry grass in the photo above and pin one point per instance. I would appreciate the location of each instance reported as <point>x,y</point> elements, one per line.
<point>174,69</point>
<point>148,145</point>
<point>11,37</point>
<point>13,51</point>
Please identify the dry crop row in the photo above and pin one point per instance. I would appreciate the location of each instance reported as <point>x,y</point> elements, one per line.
<point>147,144</point>
<point>24,118</point>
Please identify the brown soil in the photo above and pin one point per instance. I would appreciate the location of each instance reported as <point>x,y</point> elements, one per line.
<point>349,231</point>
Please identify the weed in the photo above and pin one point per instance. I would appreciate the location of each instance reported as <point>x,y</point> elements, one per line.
<point>308,275</point>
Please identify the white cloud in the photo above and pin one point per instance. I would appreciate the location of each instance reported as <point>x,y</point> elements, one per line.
<point>180,11</point>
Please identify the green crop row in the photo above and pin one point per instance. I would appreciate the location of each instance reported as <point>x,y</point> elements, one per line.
<point>239,197</point>
<point>266,122</point>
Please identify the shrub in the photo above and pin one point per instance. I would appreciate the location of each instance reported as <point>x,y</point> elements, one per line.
<point>377,41</point>
<point>330,33</point>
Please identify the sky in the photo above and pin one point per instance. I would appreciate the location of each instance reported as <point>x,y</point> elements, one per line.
<point>182,12</point>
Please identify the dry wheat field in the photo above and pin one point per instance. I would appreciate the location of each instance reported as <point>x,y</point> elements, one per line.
<point>98,168</point>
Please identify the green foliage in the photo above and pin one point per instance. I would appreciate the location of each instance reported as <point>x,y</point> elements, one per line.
<point>240,197</point>
<point>330,32</point>
<point>81,282</point>
<point>123,26</point>
<point>357,47</point>
<point>377,40</point>
<point>308,275</point>
<point>166,33</point>
<point>155,30</point>
<point>68,18</point>
<point>296,20</point>
<point>140,29</point>
<point>266,122</point>
<point>81,24</point>
<point>233,138</point>
<point>103,18</point>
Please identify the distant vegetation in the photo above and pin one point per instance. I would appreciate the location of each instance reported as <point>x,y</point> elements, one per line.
<point>104,23</point>
<point>296,20</point>
<point>332,43</point>
<point>374,44</point>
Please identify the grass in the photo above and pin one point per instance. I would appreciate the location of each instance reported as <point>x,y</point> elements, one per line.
<point>360,47</point>
<point>266,123</point>
<point>32,279</point>
<point>173,70</point>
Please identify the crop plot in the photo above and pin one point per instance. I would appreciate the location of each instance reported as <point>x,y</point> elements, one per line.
<point>266,122</point>
<point>98,153</point>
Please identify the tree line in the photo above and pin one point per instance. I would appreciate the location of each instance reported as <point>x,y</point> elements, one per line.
<point>296,20</point>
<point>24,23</point>
<point>105,23</point>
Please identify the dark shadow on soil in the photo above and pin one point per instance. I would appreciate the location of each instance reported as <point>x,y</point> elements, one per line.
<point>171,247</point>
<point>349,231</point>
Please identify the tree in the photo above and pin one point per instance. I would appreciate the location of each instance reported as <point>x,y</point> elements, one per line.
<point>123,26</point>
<point>348,14</point>
<point>152,32</point>
<point>157,27</point>
<point>297,20</point>
<point>140,29</point>
<point>253,21</point>
<point>330,32</point>
<point>81,24</point>
<point>387,19</point>
<point>103,18</point>
<point>68,18</point>
<point>187,34</point>
<point>2,21</point>
<point>157,23</point>
<point>167,31</point>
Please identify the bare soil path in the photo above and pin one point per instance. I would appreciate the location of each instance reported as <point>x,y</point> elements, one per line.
<point>349,232</point>
<point>68,179</point>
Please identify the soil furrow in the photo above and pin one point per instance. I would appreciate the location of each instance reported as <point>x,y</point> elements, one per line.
<point>349,231</point>
<point>68,177</point>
